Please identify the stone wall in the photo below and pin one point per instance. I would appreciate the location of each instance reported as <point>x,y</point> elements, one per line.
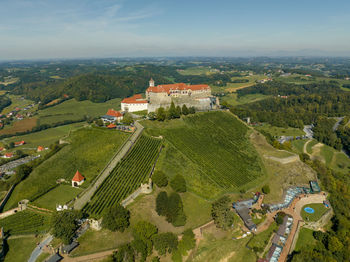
<point>143,189</point>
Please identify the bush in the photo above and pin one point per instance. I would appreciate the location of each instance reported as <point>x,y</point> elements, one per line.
<point>160,179</point>
<point>266,189</point>
<point>171,207</point>
<point>165,242</point>
<point>279,218</point>
<point>64,225</point>
<point>178,183</point>
<point>116,218</point>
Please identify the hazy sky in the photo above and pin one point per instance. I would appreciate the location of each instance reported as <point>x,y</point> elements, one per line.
<point>106,28</point>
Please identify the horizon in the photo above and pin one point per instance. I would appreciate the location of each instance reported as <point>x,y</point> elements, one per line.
<point>47,30</point>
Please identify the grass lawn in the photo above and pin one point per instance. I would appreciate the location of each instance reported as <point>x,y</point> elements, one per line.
<point>75,110</point>
<point>95,241</point>
<point>89,151</point>
<point>215,247</point>
<point>298,146</point>
<point>319,208</point>
<point>59,195</point>
<point>45,137</point>
<point>43,256</point>
<point>280,131</point>
<point>305,238</point>
<point>197,70</point>
<point>20,249</point>
<point>327,153</point>
<point>261,240</point>
<point>233,100</point>
<point>310,145</point>
<point>340,162</point>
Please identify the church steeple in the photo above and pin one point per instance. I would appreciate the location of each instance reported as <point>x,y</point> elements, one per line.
<point>151,82</point>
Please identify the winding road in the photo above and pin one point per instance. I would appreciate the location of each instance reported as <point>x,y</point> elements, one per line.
<point>39,249</point>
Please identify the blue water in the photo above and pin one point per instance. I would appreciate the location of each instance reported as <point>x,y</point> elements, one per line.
<point>309,210</point>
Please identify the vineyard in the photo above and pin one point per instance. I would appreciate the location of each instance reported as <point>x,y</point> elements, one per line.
<point>127,176</point>
<point>25,222</point>
<point>218,144</point>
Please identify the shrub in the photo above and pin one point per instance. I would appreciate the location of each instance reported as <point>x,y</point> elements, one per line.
<point>279,218</point>
<point>160,179</point>
<point>266,189</point>
<point>178,183</point>
<point>116,218</point>
<point>165,242</point>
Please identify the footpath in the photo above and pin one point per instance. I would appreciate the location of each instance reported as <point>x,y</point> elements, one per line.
<point>88,193</point>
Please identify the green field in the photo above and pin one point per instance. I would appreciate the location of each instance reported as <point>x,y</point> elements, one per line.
<point>208,149</point>
<point>20,249</point>
<point>127,176</point>
<point>59,195</point>
<point>305,239</point>
<point>89,151</point>
<point>319,208</point>
<point>46,137</point>
<point>233,100</point>
<point>198,70</point>
<point>280,131</point>
<point>298,146</point>
<point>310,145</point>
<point>18,101</point>
<point>75,110</point>
<point>25,222</point>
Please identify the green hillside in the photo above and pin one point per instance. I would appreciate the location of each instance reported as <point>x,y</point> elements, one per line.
<point>211,150</point>
<point>89,151</point>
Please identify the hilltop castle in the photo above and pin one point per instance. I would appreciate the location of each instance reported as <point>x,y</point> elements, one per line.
<point>198,96</point>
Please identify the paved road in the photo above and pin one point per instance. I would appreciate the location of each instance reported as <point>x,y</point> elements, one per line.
<point>339,119</point>
<point>80,202</point>
<point>37,251</point>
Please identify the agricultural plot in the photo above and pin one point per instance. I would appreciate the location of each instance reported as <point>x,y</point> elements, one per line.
<point>25,222</point>
<point>88,151</point>
<point>75,110</point>
<point>126,176</point>
<point>217,143</point>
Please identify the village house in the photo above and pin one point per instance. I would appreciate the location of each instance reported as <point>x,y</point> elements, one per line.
<point>20,143</point>
<point>8,155</point>
<point>112,116</point>
<point>40,148</point>
<point>134,104</point>
<point>78,179</point>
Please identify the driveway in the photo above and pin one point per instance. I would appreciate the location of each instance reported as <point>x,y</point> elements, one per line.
<point>38,250</point>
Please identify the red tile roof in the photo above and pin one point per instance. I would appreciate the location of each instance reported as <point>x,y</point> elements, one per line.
<point>111,126</point>
<point>9,155</point>
<point>40,148</point>
<point>136,99</point>
<point>78,177</point>
<point>20,143</point>
<point>112,112</point>
<point>179,86</point>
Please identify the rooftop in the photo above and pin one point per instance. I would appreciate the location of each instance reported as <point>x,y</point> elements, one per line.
<point>172,87</point>
<point>135,99</point>
<point>78,177</point>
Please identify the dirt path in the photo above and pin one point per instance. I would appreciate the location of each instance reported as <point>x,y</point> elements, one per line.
<point>92,257</point>
<point>305,146</point>
<point>86,196</point>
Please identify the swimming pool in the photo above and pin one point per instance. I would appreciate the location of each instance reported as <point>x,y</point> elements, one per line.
<point>309,210</point>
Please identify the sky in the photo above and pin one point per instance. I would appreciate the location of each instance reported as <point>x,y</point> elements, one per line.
<point>40,29</point>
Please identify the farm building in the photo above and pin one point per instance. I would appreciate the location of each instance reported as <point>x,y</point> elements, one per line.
<point>112,116</point>
<point>40,148</point>
<point>8,155</point>
<point>134,103</point>
<point>20,143</point>
<point>111,126</point>
<point>78,179</point>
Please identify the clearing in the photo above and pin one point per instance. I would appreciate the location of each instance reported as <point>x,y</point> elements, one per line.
<point>319,208</point>
<point>305,238</point>
<point>20,249</point>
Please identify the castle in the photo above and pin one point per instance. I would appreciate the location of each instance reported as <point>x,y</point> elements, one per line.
<point>198,96</point>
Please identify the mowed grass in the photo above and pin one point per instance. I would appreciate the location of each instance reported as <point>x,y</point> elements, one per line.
<point>298,146</point>
<point>89,151</point>
<point>310,145</point>
<point>59,195</point>
<point>280,131</point>
<point>305,239</point>
<point>19,126</point>
<point>75,110</point>
<point>45,137</point>
<point>20,249</point>
<point>319,208</point>
<point>233,99</point>
<point>216,146</point>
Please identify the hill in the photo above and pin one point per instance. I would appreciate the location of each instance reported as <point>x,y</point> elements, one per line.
<point>212,150</point>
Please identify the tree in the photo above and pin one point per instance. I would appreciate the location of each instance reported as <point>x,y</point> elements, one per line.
<point>140,249</point>
<point>22,172</point>
<point>11,145</point>
<point>116,218</point>
<point>221,213</point>
<point>162,204</point>
<point>187,242</point>
<point>185,110</point>
<point>165,242</point>
<point>160,179</point>
<point>266,189</point>
<point>192,110</point>
<point>152,116</point>
<point>127,119</point>
<point>304,157</point>
<point>144,231</point>
<point>99,122</point>
<point>178,183</point>
<point>64,224</point>
<point>177,112</point>
<point>155,259</point>
<point>334,244</point>
<point>171,113</point>
<point>125,253</point>
<point>279,218</point>
<point>160,114</point>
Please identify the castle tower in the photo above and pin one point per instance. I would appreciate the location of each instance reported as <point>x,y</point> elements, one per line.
<point>151,83</point>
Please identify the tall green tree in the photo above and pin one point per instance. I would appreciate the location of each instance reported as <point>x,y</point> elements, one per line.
<point>64,224</point>
<point>165,242</point>
<point>178,183</point>
<point>116,218</point>
<point>160,179</point>
<point>221,213</point>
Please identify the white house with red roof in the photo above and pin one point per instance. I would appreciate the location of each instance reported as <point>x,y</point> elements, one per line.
<point>134,103</point>
<point>8,155</point>
<point>112,116</point>
<point>78,179</point>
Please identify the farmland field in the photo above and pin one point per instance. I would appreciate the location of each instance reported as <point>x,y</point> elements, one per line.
<point>216,145</point>
<point>127,176</point>
<point>25,222</point>
<point>19,249</point>
<point>89,151</point>
<point>20,126</point>
<point>75,110</point>
<point>280,131</point>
